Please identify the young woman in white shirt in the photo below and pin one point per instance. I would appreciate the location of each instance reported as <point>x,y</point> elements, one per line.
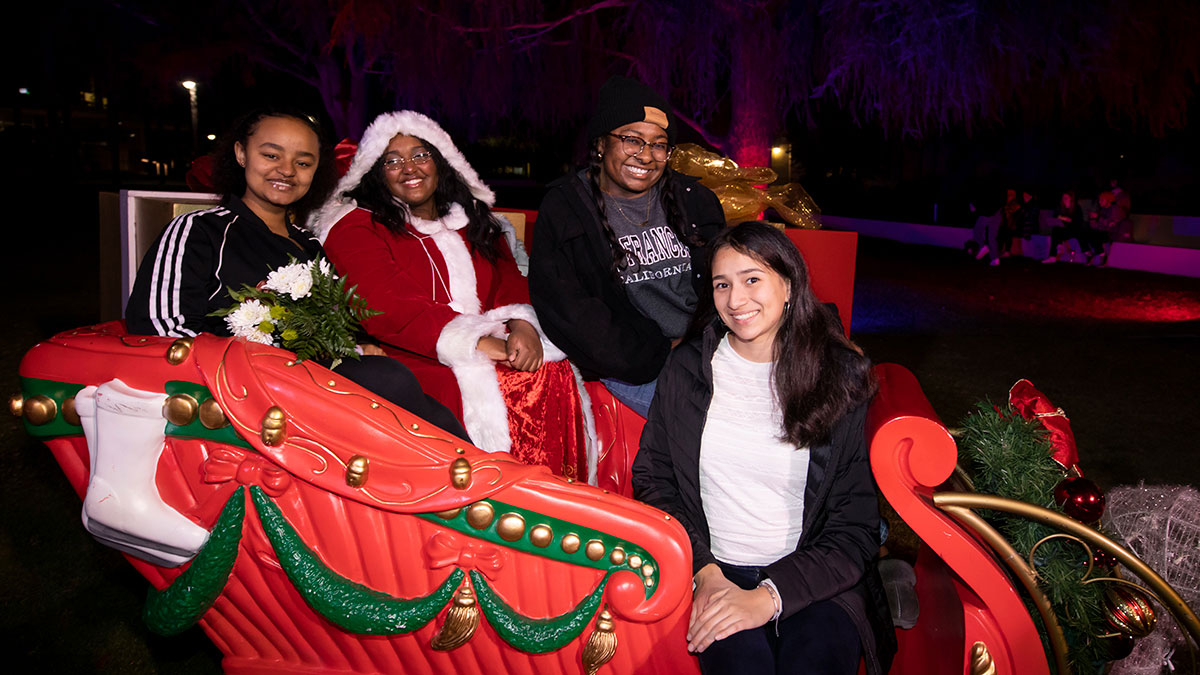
<point>755,443</point>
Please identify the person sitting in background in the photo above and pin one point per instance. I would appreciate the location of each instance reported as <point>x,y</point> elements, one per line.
<point>1031,215</point>
<point>1069,226</point>
<point>273,168</point>
<point>1010,223</point>
<point>755,444</point>
<point>1110,223</point>
<point>993,234</point>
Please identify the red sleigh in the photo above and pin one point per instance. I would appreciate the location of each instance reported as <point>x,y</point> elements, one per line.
<point>325,530</point>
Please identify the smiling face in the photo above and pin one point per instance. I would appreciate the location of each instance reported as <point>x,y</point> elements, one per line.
<point>749,297</point>
<point>414,183</point>
<point>626,176</point>
<point>280,158</point>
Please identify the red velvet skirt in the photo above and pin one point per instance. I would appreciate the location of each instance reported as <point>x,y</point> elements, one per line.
<point>545,417</point>
<point>545,411</point>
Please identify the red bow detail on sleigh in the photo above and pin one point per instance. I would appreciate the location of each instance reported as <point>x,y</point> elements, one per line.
<point>226,464</point>
<point>343,155</point>
<point>445,549</point>
<point>1031,403</point>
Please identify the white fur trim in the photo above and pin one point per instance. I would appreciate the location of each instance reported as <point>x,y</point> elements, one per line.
<point>464,296</point>
<point>330,214</point>
<point>485,414</point>
<point>525,312</point>
<point>455,219</point>
<point>592,444</point>
<point>372,146</point>
<point>456,345</point>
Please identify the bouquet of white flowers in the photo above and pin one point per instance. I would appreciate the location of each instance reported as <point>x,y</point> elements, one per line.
<point>303,307</point>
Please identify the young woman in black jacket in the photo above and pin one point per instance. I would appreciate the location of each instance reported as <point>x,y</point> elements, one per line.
<point>615,264</point>
<point>755,443</point>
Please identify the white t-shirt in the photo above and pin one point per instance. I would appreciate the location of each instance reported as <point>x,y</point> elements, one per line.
<point>751,483</point>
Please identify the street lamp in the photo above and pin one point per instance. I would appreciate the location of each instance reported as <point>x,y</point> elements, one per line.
<point>190,85</point>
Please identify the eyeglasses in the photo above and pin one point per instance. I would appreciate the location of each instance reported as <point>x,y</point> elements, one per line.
<point>397,163</point>
<point>633,146</point>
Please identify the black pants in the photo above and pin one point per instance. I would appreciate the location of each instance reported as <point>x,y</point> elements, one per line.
<point>818,640</point>
<point>395,382</point>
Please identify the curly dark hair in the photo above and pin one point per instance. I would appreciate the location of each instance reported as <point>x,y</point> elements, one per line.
<point>819,375</point>
<point>229,177</point>
<point>666,192</point>
<point>482,232</point>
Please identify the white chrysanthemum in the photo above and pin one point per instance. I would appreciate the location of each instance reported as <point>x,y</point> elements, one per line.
<point>245,321</point>
<point>325,267</point>
<point>294,279</point>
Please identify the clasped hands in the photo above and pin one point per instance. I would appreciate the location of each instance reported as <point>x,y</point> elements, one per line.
<point>721,608</point>
<point>521,351</point>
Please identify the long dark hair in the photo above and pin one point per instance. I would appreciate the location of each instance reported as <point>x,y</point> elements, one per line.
<point>483,233</point>
<point>818,374</point>
<point>666,193</point>
<point>229,177</point>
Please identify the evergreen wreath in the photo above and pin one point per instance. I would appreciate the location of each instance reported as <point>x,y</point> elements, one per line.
<point>1009,456</point>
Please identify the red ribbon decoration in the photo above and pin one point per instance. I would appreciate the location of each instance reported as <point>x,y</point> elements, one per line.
<point>1031,403</point>
<point>446,549</point>
<point>343,155</point>
<point>226,464</point>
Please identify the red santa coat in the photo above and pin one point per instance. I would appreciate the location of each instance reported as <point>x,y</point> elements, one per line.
<point>438,298</point>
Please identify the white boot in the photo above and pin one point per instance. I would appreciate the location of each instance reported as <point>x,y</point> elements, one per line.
<point>123,508</point>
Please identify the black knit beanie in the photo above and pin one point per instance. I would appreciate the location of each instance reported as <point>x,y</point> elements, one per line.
<point>624,100</point>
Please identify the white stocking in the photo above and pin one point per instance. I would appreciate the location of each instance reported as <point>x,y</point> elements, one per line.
<point>125,433</point>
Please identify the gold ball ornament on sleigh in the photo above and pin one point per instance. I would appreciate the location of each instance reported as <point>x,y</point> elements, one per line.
<point>737,188</point>
<point>179,350</point>
<point>211,415</point>
<point>69,414</point>
<point>180,409</point>
<point>16,405</point>
<point>357,470</point>
<point>460,473</point>
<point>38,410</point>
<point>274,426</point>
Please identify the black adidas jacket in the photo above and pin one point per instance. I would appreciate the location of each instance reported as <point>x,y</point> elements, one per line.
<point>186,274</point>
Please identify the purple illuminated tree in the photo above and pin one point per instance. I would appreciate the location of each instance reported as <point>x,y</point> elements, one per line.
<point>735,70</point>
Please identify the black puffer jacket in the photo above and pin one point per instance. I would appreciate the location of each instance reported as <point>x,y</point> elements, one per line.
<point>840,540</point>
<point>582,308</point>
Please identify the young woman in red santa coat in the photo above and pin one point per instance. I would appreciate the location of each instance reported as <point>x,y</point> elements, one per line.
<point>410,225</point>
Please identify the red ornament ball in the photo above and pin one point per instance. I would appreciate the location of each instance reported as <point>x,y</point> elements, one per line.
<point>1080,499</point>
<point>1129,611</point>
